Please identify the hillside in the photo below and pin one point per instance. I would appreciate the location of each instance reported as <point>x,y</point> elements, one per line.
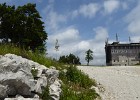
<point>75,84</point>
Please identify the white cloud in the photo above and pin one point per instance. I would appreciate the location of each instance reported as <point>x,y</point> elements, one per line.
<point>69,34</point>
<point>98,45</point>
<point>134,27</point>
<point>124,5</point>
<point>111,5</point>
<point>83,45</point>
<point>88,10</point>
<point>71,42</point>
<point>101,33</point>
<point>52,19</point>
<point>135,39</point>
<point>133,19</point>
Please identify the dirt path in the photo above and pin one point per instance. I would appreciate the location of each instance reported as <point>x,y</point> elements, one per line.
<point>116,82</point>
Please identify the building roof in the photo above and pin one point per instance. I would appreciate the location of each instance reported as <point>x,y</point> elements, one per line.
<point>123,44</point>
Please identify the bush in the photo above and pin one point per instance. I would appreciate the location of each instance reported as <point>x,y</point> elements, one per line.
<point>76,76</point>
<point>76,85</point>
<point>84,94</point>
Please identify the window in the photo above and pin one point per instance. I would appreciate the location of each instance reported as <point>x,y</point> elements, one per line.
<point>112,51</point>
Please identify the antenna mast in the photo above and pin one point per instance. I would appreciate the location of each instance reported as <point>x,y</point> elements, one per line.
<point>129,39</point>
<point>106,41</point>
<point>117,37</point>
<point>56,47</point>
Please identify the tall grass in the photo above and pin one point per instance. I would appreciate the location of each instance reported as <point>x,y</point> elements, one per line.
<point>35,56</point>
<point>76,85</point>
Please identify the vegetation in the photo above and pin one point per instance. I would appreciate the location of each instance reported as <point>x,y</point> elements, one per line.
<point>22,26</point>
<point>35,56</point>
<point>76,85</point>
<point>89,56</point>
<point>70,59</point>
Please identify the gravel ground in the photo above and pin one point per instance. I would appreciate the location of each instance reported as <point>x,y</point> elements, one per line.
<point>116,82</point>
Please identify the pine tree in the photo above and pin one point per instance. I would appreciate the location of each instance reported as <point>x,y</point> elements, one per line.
<point>89,56</point>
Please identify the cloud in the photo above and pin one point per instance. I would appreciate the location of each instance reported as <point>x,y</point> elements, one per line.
<point>107,7</point>
<point>133,19</point>
<point>68,34</point>
<point>111,5</point>
<point>135,39</point>
<point>67,39</point>
<point>88,10</point>
<point>52,19</point>
<point>101,33</point>
<point>124,5</point>
<point>71,42</point>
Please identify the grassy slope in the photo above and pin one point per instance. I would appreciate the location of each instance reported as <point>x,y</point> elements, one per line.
<point>76,85</point>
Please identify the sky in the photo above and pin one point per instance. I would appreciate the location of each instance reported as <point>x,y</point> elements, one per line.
<point>80,25</point>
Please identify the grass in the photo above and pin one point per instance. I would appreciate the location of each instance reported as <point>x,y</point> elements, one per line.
<point>35,56</point>
<point>76,85</point>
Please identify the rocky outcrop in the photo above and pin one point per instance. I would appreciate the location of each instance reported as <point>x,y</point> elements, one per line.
<point>16,78</point>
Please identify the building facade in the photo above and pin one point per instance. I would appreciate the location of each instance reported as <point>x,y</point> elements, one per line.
<point>122,54</point>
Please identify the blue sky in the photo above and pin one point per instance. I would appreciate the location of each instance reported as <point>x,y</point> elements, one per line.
<point>80,25</point>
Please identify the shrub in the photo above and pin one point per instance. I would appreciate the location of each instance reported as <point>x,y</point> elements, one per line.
<point>76,76</point>
<point>76,85</point>
<point>83,94</point>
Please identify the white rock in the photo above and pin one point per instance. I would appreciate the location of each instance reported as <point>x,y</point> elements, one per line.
<point>3,92</point>
<point>55,90</point>
<point>16,78</point>
<point>41,84</point>
<point>52,75</point>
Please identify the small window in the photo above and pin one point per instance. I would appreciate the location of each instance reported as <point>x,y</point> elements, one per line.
<point>112,51</point>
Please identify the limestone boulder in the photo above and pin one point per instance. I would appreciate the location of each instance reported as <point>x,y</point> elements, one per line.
<point>16,79</point>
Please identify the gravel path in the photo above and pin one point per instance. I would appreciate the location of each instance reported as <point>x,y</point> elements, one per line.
<point>116,82</point>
